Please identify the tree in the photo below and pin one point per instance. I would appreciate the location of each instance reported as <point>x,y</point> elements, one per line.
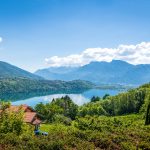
<point>12,122</point>
<point>4,105</point>
<point>95,99</point>
<point>106,96</point>
<point>147,119</point>
<point>60,106</point>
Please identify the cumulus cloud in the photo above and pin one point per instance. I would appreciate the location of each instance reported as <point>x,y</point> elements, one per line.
<point>1,39</point>
<point>134,54</point>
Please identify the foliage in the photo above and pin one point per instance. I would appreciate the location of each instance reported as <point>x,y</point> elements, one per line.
<point>123,103</point>
<point>12,122</point>
<point>103,124</point>
<point>61,107</point>
<point>4,105</point>
<point>133,101</point>
<point>91,109</point>
<point>95,99</point>
<point>85,133</point>
<point>147,114</point>
<point>106,96</point>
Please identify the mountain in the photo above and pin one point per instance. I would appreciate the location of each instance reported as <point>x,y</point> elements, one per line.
<point>16,83</point>
<point>10,71</point>
<point>114,72</point>
<point>56,73</point>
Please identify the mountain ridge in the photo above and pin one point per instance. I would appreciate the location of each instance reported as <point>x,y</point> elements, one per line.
<point>115,72</point>
<point>10,71</point>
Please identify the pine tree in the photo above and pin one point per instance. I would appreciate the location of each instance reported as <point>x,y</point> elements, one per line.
<point>147,120</point>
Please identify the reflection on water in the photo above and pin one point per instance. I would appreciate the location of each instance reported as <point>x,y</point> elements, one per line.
<point>77,98</point>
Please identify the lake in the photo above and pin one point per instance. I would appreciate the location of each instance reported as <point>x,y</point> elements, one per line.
<point>79,99</point>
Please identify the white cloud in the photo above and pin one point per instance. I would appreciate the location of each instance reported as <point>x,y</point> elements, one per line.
<point>134,54</point>
<point>1,39</point>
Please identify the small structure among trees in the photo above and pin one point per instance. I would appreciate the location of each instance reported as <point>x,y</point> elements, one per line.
<point>29,114</point>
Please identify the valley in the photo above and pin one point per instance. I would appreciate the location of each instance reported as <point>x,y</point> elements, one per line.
<point>115,114</point>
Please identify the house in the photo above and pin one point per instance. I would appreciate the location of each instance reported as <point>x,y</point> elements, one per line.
<point>30,115</point>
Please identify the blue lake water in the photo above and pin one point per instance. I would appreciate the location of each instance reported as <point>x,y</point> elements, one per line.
<point>77,98</point>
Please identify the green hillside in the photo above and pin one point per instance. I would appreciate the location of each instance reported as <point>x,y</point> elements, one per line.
<point>10,71</point>
<point>15,88</point>
<point>120,122</point>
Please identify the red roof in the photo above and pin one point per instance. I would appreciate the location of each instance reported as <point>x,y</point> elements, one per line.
<point>17,108</point>
<point>29,116</point>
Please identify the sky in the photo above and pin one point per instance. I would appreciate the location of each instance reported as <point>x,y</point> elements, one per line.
<point>41,33</point>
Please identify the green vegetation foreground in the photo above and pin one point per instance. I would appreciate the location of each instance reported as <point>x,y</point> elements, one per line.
<point>119,122</point>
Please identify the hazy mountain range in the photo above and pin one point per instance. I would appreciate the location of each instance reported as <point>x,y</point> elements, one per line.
<point>114,72</point>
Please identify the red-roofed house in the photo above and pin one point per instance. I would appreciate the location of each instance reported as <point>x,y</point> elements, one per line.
<point>30,115</point>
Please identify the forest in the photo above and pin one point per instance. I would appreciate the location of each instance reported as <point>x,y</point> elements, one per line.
<point>22,88</point>
<point>120,122</point>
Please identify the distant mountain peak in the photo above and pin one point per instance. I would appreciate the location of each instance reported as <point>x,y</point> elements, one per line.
<point>106,62</point>
<point>119,61</point>
<point>10,71</point>
<point>114,72</point>
<point>97,62</point>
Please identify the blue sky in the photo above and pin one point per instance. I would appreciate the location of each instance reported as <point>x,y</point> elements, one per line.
<point>32,30</point>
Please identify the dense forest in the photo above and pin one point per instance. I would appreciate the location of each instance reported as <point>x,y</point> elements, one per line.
<point>120,122</point>
<point>15,88</point>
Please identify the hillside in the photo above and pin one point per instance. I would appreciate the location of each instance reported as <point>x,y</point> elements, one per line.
<point>16,83</point>
<point>9,71</point>
<point>20,88</point>
<point>114,123</point>
<point>114,72</point>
